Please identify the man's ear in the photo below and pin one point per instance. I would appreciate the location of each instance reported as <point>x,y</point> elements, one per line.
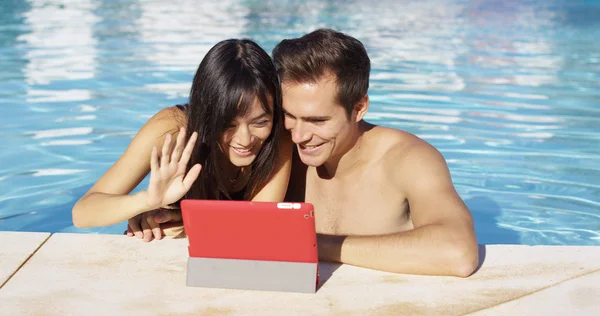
<point>361,107</point>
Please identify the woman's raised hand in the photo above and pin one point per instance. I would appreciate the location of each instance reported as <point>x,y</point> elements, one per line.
<point>168,181</point>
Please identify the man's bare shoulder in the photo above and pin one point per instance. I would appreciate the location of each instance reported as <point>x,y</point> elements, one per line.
<point>393,145</point>
<point>413,164</point>
<point>402,152</point>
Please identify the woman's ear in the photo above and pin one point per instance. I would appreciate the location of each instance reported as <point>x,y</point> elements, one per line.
<point>361,107</point>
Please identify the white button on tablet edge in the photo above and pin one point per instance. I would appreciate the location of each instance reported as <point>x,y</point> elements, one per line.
<point>284,205</point>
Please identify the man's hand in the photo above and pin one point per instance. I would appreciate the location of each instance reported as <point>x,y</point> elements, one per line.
<point>170,222</point>
<point>144,227</point>
<point>156,224</point>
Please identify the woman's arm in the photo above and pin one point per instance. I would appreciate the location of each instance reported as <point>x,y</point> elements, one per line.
<point>109,201</point>
<point>275,189</point>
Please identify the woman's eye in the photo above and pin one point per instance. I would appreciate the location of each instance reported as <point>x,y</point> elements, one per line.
<point>261,123</point>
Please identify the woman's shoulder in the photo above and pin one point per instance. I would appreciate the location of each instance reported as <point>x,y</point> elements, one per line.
<point>167,120</point>
<point>182,107</point>
<point>172,116</point>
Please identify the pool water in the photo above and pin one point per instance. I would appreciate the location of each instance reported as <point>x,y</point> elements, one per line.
<point>508,91</point>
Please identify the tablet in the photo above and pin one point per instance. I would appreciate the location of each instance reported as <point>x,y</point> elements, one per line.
<point>251,245</point>
<point>250,230</point>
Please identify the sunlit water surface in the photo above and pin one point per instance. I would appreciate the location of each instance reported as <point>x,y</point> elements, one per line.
<point>507,91</point>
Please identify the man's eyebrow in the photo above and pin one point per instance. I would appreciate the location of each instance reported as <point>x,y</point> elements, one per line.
<point>316,118</point>
<point>287,113</point>
<point>309,118</point>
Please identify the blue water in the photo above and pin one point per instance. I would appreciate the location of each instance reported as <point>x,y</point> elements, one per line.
<point>508,91</point>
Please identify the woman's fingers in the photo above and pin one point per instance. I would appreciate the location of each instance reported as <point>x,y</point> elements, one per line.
<point>168,168</point>
<point>179,145</point>
<point>191,177</point>
<point>154,160</point>
<point>189,148</point>
<point>164,159</point>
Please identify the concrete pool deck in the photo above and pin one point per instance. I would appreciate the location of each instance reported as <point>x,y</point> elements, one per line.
<point>75,274</point>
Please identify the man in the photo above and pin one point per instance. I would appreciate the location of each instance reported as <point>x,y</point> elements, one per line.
<point>383,198</point>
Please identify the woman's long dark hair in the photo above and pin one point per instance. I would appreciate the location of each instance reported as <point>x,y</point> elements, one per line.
<point>232,75</point>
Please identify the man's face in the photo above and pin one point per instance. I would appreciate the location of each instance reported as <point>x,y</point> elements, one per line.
<point>319,126</point>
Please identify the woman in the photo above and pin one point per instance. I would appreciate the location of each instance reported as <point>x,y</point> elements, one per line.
<point>236,146</point>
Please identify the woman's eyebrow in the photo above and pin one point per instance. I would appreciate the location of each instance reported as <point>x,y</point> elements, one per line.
<point>260,116</point>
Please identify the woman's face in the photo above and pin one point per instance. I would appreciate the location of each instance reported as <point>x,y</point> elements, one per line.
<point>245,136</point>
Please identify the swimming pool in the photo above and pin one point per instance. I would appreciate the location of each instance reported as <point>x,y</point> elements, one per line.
<point>507,91</point>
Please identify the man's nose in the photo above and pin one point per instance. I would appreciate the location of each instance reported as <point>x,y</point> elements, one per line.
<point>300,133</point>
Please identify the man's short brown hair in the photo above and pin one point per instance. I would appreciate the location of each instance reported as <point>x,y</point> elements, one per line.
<point>315,55</point>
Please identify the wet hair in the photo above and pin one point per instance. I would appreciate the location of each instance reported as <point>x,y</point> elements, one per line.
<point>231,77</point>
<point>323,52</point>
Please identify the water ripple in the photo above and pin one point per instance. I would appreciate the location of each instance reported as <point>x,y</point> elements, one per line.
<point>508,92</point>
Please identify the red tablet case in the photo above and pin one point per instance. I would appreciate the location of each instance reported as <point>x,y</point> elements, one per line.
<point>251,245</point>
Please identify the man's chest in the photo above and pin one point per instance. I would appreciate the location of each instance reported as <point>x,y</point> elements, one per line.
<point>356,207</point>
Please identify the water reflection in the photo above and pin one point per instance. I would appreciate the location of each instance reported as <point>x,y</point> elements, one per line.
<point>176,37</point>
<point>508,92</point>
<point>60,41</point>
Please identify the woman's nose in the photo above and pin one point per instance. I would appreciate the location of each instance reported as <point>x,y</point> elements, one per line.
<point>243,136</point>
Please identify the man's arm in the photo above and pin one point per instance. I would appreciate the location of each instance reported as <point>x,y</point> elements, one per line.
<point>443,240</point>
